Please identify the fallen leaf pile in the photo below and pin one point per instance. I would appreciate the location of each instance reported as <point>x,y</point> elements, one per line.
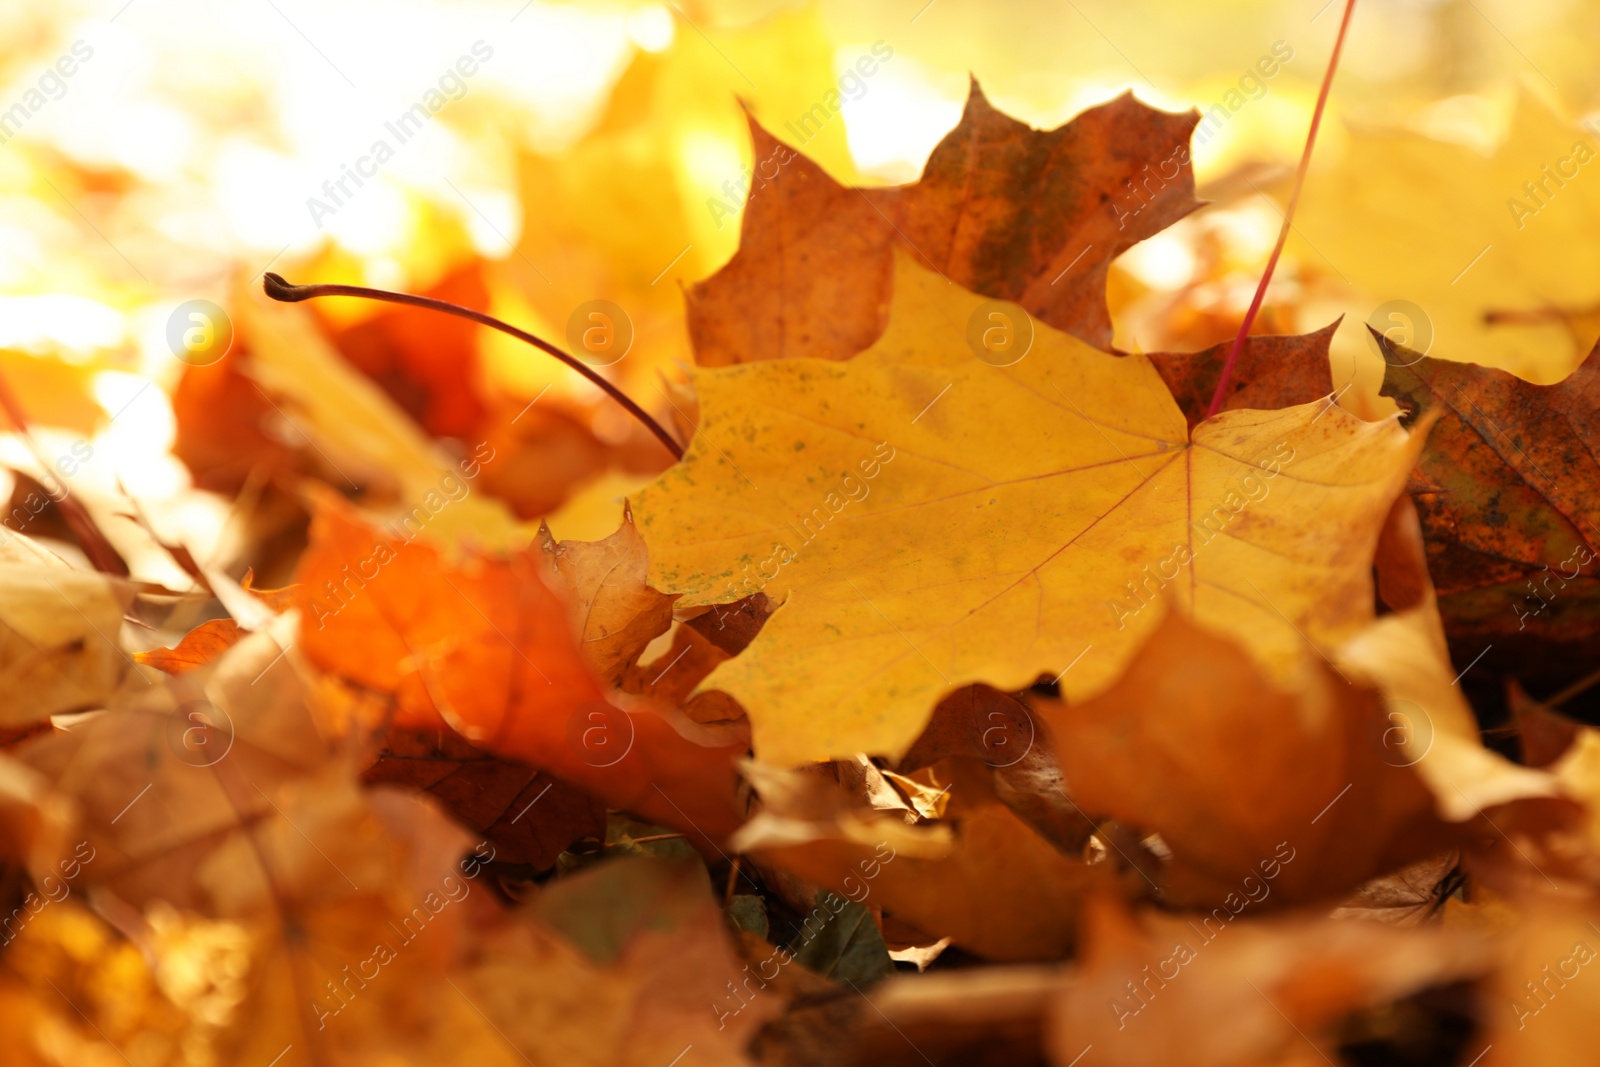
<point>968,692</point>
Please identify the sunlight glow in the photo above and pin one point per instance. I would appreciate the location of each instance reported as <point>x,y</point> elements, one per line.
<point>903,114</point>
<point>59,324</point>
<point>1165,261</point>
<point>651,28</point>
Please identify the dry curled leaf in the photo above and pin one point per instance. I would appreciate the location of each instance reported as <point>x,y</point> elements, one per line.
<point>616,613</point>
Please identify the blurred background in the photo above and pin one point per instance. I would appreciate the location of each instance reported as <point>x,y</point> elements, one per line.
<point>530,157</point>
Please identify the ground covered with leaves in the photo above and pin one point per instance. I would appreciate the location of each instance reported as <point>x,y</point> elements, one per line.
<point>921,679</point>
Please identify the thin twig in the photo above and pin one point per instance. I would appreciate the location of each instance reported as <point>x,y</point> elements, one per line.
<point>654,837</point>
<point>279,289</point>
<point>1288,217</point>
<point>1582,685</point>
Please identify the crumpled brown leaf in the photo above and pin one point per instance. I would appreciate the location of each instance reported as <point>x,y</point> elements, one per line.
<point>982,877</point>
<point>616,613</point>
<point>1000,730</point>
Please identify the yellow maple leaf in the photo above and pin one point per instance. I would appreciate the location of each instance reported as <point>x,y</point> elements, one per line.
<point>1480,247</point>
<point>931,519</point>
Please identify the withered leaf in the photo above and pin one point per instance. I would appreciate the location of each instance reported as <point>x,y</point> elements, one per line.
<point>1272,372</point>
<point>1513,530</point>
<point>527,816</point>
<point>1025,215</point>
<point>999,729</point>
<point>983,879</point>
<point>616,614</point>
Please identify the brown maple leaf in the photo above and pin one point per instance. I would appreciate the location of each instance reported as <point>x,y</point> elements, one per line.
<point>1512,515</point>
<point>1030,216</point>
<point>1271,372</point>
<point>1000,729</point>
<point>526,816</point>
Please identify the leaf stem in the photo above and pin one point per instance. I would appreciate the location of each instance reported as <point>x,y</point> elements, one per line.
<point>1582,685</point>
<point>656,837</point>
<point>1288,216</point>
<point>279,289</point>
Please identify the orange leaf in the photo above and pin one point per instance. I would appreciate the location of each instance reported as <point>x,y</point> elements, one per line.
<point>211,638</point>
<point>427,362</point>
<point>199,646</point>
<point>480,641</point>
<point>1239,777</point>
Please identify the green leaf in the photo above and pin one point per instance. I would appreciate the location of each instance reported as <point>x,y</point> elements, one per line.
<point>839,940</point>
<point>749,912</point>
